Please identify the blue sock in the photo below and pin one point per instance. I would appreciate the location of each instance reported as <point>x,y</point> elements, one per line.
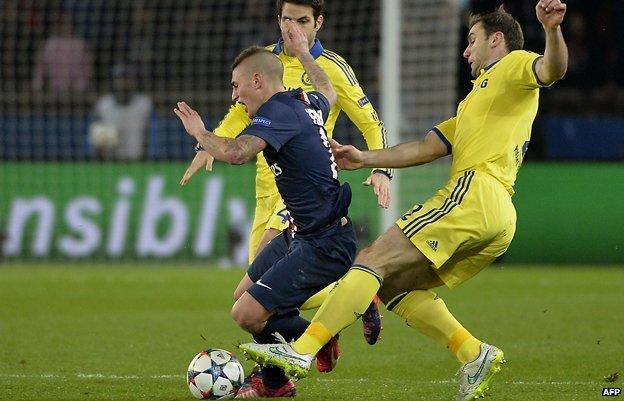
<point>290,326</point>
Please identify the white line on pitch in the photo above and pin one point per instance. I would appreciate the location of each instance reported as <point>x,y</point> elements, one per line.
<point>178,377</point>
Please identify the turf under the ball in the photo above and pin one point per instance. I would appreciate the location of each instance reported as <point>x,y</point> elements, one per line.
<point>128,332</point>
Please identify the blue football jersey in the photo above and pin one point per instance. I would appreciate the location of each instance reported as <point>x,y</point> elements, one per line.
<point>300,157</point>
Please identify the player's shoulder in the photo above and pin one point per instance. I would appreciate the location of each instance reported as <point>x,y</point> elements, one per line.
<point>520,56</point>
<point>279,104</point>
<point>334,64</point>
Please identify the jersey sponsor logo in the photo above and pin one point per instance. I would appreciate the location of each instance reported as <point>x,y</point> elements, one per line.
<point>484,84</point>
<point>363,101</point>
<point>277,170</point>
<point>261,121</point>
<point>305,79</point>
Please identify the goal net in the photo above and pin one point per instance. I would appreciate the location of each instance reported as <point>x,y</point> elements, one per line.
<point>91,153</point>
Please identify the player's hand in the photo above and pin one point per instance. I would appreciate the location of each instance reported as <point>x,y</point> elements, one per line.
<point>201,159</point>
<point>381,187</point>
<point>294,39</point>
<point>550,13</point>
<point>347,157</point>
<point>193,123</point>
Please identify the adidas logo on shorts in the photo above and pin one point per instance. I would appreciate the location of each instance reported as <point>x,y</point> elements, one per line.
<point>433,245</point>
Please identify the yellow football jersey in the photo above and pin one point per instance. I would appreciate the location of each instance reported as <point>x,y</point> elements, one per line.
<point>351,100</point>
<point>492,128</point>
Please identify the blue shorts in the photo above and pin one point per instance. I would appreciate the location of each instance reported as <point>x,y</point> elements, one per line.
<point>288,271</point>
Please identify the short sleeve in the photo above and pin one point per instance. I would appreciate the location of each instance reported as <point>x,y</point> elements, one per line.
<point>320,102</point>
<point>446,132</point>
<point>275,123</point>
<point>523,69</point>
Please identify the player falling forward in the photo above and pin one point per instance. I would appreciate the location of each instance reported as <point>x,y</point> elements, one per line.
<point>466,224</point>
<point>271,216</point>
<point>288,127</point>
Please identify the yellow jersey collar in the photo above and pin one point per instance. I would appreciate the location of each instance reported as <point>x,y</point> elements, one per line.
<point>487,68</point>
<point>315,51</point>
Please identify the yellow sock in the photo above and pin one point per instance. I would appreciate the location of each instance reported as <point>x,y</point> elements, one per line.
<point>348,300</point>
<point>315,336</point>
<point>427,313</point>
<point>465,347</point>
<point>317,299</point>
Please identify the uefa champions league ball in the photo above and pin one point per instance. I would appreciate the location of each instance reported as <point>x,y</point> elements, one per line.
<point>215,374</point>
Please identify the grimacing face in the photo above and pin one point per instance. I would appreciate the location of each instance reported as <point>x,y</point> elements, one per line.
<point>478,50</point>
<point>304,17</point>
<point>244,91</point>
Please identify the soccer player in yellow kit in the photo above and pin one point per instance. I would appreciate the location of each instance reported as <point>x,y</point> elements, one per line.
<point>465,225</point>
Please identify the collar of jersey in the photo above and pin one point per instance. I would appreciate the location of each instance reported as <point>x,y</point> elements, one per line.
<point>486,69</point>
<point>315,51</point>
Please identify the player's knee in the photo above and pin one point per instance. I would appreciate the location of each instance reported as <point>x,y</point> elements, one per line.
<point>246,320</point>
<point>368,257</point>
<point>237,294</point>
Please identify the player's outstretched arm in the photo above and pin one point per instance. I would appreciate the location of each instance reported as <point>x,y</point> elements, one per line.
<point>553,66</point>
<point>296,40</point>
<point>403,155</point>
<point>201,159</point>
<point>233,151</point>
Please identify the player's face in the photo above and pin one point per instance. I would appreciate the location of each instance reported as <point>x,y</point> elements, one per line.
<point>304,17</point>
<point>244,91</point>
<point>478,50</point>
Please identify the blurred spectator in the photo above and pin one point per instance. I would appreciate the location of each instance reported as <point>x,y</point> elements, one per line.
<point>121,118</point>
<point>63,62</point>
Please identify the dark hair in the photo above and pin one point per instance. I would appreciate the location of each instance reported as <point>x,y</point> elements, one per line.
<point>500,20</point>
<point>318,6</point>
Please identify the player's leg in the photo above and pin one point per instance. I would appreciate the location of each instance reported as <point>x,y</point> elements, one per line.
<point>258,314</point>
<point>251,315</point>
<point>460,239</point>
<point>390,254</point>
<point>273,252</point>
<point>270,219</point>
<point>408,295</point>
<point>371,319</point>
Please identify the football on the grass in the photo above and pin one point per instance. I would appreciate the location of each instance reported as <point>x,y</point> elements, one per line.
<point>214,374</point>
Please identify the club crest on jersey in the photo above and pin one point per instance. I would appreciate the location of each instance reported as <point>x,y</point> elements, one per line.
<point>305,79</point>
<point>261,121</point>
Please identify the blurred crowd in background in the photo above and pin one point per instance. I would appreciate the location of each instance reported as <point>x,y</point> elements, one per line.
<point>67,64</point>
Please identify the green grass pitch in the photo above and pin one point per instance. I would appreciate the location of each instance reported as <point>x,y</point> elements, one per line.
<point>123,332</point>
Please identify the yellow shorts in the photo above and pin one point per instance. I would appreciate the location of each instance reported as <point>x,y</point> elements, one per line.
<point>270,213</point>
<point>463,227</point>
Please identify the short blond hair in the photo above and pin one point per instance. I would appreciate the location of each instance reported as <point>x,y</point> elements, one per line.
<point>260,60</point>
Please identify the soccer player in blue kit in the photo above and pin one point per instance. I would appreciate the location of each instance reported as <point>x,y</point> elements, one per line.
<point>287,126</point>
